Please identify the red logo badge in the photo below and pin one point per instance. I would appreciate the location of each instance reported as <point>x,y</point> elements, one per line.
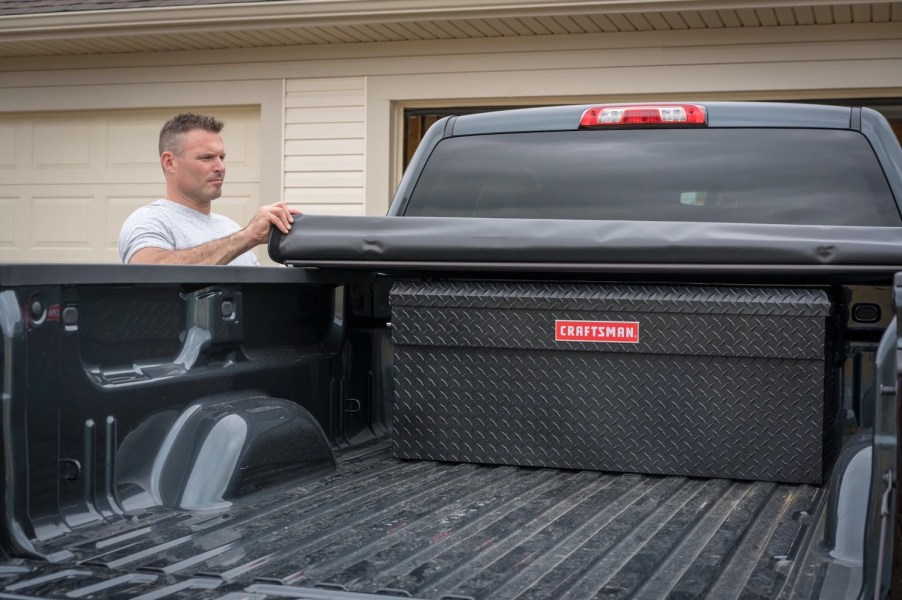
<point>611,332</point>
<point>53,313</point>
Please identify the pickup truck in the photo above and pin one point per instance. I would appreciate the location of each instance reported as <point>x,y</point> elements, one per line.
<point>646,351</point>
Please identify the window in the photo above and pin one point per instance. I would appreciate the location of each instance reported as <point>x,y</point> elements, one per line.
<point>793,176</point>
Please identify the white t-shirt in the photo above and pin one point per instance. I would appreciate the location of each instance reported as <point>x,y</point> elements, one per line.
<point>169,225</point>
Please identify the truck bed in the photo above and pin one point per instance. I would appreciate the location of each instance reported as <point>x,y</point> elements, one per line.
<point>379,525</point>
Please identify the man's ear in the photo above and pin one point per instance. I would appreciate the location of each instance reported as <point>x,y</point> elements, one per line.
<point>167,162</point>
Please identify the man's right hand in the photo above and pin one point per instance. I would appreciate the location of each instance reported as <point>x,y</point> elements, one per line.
<point>278,214</point>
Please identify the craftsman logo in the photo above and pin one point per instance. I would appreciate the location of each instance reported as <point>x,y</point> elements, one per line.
<point>611,332</point>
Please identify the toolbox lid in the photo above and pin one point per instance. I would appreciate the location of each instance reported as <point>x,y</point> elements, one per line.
<point>710,321</point>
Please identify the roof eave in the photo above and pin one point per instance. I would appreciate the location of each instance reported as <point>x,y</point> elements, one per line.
<point>290,13</point>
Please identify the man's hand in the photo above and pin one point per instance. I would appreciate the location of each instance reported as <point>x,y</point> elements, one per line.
<point>278,214</point>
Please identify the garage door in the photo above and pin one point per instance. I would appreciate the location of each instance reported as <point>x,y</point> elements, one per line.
<point>69,180</point>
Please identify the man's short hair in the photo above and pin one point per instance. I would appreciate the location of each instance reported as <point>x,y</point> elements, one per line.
<point>171,136</point>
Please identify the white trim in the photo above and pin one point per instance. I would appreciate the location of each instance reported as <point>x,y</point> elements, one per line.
<point>379,142</point>
<point>282,142</point>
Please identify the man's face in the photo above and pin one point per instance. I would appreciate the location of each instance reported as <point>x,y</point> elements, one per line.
<point>198,171</point>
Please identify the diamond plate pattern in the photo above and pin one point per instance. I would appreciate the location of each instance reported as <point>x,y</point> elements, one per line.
<point>710,394</point>
<point>761,301</point>
<point>659,333</point>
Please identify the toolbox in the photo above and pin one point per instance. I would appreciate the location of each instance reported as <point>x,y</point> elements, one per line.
<point>704,381</point>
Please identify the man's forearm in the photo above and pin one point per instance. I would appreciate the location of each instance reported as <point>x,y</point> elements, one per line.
<point>217,252</point>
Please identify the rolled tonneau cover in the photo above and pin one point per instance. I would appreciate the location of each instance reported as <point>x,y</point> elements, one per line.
<point>417,242</point>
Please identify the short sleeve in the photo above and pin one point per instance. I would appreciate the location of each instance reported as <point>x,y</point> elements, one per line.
<point>143,229</point>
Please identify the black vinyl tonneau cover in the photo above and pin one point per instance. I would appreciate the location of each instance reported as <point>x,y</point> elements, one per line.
<point>395,241</point>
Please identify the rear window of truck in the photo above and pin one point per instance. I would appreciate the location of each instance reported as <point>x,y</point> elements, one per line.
<point>781,176</point>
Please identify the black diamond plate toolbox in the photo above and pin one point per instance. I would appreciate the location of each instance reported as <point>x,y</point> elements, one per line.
<point>726,382</point>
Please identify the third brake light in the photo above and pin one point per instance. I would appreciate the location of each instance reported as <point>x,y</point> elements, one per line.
<point>644,114</point>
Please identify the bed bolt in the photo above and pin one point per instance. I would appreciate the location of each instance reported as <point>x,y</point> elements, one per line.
<point>70,469</point>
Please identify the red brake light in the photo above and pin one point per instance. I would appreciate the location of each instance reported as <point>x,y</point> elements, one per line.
<point>644,114</point>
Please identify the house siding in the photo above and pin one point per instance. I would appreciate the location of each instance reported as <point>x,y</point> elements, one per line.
<point>325,130</point>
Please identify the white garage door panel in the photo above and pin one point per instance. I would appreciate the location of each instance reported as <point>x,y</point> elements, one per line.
<point>64,144</point>
<point>7,148</point>
<point>9,219</point>
<point>241,203</point>
<point>132,146</point>
<point>62,222</point>
<point>72,223</point>
<point>68,181</point>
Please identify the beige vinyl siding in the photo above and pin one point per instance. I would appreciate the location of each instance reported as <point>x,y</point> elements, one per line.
<point>324,145</point>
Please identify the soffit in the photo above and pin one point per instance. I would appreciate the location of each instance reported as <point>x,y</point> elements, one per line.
<point>188,25</point>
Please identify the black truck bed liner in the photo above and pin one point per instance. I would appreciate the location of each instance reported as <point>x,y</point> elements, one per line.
<point>441,530</point>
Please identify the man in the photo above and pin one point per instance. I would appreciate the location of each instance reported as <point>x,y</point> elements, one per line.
<point>181,229</point>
